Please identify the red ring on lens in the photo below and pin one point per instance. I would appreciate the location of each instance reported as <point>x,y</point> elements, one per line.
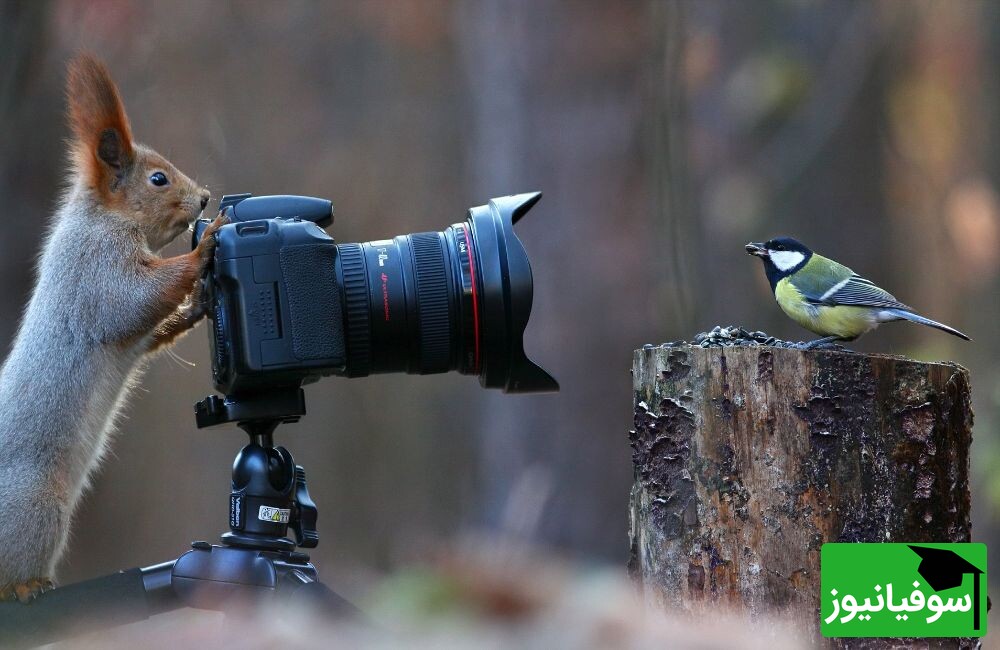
<point>475,298</point>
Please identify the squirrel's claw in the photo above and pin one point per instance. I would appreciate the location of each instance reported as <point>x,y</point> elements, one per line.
<point>206,247</point>
<point>27,591</point>
<point>220,220</point>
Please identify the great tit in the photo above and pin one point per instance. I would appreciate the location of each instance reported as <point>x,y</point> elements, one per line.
<point>828,298</point>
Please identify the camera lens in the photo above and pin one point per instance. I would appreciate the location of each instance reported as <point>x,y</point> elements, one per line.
<point>438,301</point>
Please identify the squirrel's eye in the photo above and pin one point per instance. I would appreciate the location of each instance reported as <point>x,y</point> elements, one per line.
<point>158,179</point>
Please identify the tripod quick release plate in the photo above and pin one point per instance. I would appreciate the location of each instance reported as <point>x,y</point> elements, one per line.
<point>280,406</point>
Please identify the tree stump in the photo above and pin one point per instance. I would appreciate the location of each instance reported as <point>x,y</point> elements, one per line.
<point>748,459</point>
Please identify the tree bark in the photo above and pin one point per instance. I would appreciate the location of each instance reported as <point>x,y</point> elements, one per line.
<point>748,459</point>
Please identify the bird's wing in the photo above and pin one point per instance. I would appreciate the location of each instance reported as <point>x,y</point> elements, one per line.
<point>825,282</point>
<point>859,291</point>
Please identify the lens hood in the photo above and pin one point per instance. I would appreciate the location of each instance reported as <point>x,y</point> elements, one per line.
<point>507,289</point>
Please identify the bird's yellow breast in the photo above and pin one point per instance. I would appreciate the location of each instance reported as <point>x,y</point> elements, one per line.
<point>844,321</point>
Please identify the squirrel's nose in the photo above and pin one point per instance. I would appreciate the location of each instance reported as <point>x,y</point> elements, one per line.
<point>205,196</point>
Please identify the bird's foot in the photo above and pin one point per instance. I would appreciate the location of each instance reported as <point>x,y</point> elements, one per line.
<point>825,343</point>
<point>26,591</point>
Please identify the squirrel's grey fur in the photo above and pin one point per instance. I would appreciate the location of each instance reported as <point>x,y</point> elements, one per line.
<point>65,380</point>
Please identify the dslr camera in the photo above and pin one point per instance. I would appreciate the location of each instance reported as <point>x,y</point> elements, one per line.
<point>289,305</point>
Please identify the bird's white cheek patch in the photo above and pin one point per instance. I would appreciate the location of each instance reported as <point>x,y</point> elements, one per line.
<point>786,260</point>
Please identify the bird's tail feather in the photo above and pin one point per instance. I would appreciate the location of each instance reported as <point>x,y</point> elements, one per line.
<point>917,318</point>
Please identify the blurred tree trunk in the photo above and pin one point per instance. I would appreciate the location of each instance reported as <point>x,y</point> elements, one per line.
<point>748,459</point>
<point>933,154</point>
<point>673,209</point>
<point>23,27</point>
<point>499,152</point>
<point>557,113</point>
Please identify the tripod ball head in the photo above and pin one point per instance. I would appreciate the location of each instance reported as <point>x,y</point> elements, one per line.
<point>268,496</point>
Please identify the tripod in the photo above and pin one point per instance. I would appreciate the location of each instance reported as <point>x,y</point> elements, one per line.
<point>255,563</point>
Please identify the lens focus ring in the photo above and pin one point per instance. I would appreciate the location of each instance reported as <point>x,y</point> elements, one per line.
<point>432,301</point>
<point>358,330</point>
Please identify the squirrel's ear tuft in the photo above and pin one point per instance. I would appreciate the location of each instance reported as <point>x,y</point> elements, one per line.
<point>102,137</point>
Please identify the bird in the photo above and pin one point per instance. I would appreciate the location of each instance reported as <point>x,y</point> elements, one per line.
<point>828,298</point>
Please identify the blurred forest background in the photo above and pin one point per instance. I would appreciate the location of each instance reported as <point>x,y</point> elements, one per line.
<point>664,135</point>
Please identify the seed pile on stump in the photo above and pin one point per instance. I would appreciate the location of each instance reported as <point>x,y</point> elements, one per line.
<point>734,335</point>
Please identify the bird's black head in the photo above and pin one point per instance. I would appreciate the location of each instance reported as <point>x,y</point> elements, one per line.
<point>782,256</point>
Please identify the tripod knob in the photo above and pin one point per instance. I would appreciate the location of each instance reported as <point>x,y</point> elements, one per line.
<point>304,521</point>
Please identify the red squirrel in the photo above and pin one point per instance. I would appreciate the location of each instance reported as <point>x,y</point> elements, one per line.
<point>103,301</point>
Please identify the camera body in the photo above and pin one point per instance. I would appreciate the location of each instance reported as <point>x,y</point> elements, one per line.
<point>276,303</point>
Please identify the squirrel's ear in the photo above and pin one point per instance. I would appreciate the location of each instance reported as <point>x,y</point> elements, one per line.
<point>102,137</point>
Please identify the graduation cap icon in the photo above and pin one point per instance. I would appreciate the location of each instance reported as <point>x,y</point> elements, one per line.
<point>945,569</point>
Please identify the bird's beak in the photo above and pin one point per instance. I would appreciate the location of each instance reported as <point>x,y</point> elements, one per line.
<point>757,250</point>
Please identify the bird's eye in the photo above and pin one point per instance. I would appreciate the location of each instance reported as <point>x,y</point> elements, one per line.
<point>159,179</point>
<point>779,247</point>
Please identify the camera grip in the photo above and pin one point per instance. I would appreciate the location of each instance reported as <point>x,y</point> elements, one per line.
<point>310,282</point>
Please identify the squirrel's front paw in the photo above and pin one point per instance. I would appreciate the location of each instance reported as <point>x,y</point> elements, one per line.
<point>26,591</point>
<point>206,246</point>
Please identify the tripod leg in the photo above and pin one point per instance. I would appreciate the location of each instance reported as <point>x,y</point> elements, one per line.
<point>89,606</point>
<point>313,593</point>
